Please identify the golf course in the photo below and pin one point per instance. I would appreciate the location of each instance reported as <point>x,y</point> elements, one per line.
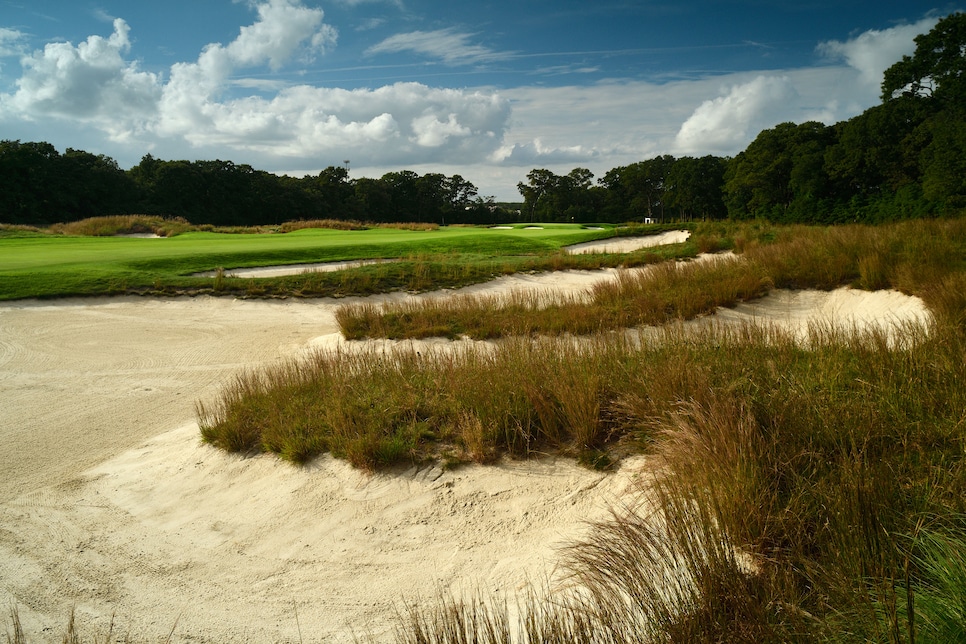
<point>540,426</point>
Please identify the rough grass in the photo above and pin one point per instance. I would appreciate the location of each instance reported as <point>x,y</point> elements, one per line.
<point>349,224</point>
<point>664,293</point>
<point>803,495</point>
<point>376,409</point>
<point>914,257</point>
<point>109,226</point>
<point>808,491</point>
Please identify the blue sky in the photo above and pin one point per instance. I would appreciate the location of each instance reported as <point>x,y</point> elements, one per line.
<point>488,90</point>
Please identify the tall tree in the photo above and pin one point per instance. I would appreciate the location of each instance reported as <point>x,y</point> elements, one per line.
<point>694,188</point>
<point>537,192</point>
<point>780,175</point>
<point>937,69</point>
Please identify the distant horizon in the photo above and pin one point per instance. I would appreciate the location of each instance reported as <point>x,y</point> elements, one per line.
<point>488,91</point>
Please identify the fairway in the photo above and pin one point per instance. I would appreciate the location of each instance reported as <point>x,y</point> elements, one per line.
<point>61,266</point>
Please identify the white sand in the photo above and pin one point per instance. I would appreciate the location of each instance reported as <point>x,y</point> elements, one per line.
<point>629,244</point>
<point>294,269</point>
<point>843,308</point>
<point>108,503</point>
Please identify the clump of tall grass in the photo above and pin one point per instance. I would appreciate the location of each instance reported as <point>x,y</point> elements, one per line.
<point>331,224</point>
<point>795,493</point>
<point>657,295</point>
<point>911,257</point>
<point>377,409</point>
<point>109,226</point>
<point>905,256</point>
<point>409,225</point>
<point>19,230</point>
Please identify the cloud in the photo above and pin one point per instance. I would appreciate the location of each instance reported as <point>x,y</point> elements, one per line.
<point>11,42</point>
<point>210,105</point>
<point>448,45</point>
<point>89,83</point>
<point>283,27</point>
<point>725,122</point>
<point>874,51</point>
<point>400,123</point>
<point>535,153</point>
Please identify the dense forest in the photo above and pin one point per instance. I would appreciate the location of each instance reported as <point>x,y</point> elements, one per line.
<point>39,186</point>
<point>905,157</point>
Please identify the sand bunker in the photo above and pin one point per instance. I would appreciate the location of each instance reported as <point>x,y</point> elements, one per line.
<point>109,504</point>
<point>293,269</point>
<point>629,244</point>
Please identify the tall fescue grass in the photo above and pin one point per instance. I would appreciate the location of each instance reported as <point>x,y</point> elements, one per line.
<point>911,257</point>
<point>427,271</point>
<point>805,491</point>
<point>469,404</point>
<point>108,226</point>
<point>350,224</point>
<point>802,495</point>
<point>20,230</point>
<point>660,294</point>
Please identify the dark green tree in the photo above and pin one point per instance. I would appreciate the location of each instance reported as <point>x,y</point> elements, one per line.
<point>538,193</point>
<point>27,180</point>
<point>781,175</point>
<point>937,69</point>
<point>695,188</point>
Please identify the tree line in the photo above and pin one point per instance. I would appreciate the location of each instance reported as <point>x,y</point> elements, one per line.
<point>905,157</point>
<point>40,186</point>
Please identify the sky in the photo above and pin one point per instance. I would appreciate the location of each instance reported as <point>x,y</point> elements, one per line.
<point>488,90</point>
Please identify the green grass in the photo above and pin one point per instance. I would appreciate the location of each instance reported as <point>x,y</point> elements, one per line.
<point>60,266</point>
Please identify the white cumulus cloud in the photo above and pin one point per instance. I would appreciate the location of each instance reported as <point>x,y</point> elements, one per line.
<point>91,82</point>
<point>536,153</point>
<point>283,27</point>
<point>727,123</point>
<point>209,104</point>
<point>874,51</point>
<point>729,120</point>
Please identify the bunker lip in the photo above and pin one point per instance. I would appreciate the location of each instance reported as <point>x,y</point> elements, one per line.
<point>629,244</point>
<point>294,269</point>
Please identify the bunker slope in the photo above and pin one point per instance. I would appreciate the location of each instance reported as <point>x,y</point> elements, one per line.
<point>109,504</point>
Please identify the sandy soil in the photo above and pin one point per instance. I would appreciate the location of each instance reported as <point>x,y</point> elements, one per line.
<point>296,269</point>
<point>109,504</point>
<point>629,244</point>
